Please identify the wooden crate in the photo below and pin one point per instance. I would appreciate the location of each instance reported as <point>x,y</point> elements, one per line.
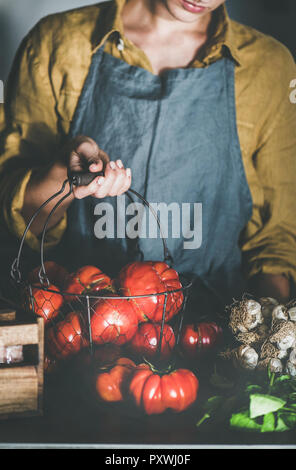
<point>21,385</point>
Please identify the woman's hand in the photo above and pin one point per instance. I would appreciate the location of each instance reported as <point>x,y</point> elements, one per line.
<point>87,156</point>
<point>81,154</point>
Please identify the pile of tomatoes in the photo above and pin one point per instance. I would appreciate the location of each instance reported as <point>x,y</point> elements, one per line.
<point>128,313</point>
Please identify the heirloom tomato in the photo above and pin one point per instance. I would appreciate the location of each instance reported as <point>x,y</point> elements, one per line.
<point>67,337</point>
<point>56,274</point>
<point>47,302</point>
<point>86,280</point>
<point>146,340</point>
<point>200,338</point>
<point>151,277</point>
<point>112,385</point>
<point>155,392</point>
<point>113,321</point>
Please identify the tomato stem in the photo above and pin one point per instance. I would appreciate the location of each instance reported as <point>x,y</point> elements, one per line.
<point>159,370</point>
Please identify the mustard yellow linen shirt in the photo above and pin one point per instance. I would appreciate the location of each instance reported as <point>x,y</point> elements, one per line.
<point>47,79</point>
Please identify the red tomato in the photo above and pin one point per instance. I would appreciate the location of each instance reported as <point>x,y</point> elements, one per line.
<point>151,277</point>
<point>155,393</point>
<point>200,338</point>
<point>87,279</point>
<point>112,385</point>
<point>56,274</point>
<point>146,340</point>
<point>113,321</point>
<point>46,303</point>
<point>66,337</point>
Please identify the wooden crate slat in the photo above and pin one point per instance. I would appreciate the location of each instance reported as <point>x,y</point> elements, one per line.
<point>12,335</point>
<point>18,390</point>
<point>7,314</point>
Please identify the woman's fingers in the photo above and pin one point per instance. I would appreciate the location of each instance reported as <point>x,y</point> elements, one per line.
<point>81,192</point>
<point>116,181</point>
<point>115,176</point>
<point>127,182</point>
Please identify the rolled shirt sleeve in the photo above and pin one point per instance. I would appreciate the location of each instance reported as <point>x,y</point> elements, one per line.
<point>29,135</point>
<point>269,244</point>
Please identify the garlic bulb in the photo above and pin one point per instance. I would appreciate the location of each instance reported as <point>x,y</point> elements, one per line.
<point>245,316</point>
<point>254,314</point>
<point>284,334</point>
<point>275,366</point>
<point>291,368</point>
<point>254,337</point>
<point>248,357</point>
<point>287,342</point>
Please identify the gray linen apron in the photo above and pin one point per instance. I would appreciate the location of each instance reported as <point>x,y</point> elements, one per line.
<point>178,134</point>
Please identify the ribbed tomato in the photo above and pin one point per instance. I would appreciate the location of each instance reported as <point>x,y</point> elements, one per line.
<point>46,303</point>
<point>113,321</point>
<point>155,393</point>
<point>87,279</point>
<point>200,338</point>
<point>146,340</point>
<point>67,337</point>
<point>151,277</point>
<point>112,385</point>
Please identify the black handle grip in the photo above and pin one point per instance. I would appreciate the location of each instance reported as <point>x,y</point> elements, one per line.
<point>78,178</point>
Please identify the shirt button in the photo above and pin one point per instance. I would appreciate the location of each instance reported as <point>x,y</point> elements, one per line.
<point>120,45</point>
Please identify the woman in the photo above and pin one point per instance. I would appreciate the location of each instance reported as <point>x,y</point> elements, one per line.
<point>174,94</point>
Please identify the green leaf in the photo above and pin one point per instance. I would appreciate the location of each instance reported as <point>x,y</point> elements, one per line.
<point>244,422</point>
<point>262,404</point>
<point>282,378</point>
<point>281,425</point>
<point>268,423</point>
<point>253,388</point>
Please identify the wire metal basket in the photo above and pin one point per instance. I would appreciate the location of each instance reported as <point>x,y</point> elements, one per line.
<point>76,321</point>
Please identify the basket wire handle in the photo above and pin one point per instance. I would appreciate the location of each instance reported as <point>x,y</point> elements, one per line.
<point>42,273</point>
<point>74,179</point>
<point>15,268</point>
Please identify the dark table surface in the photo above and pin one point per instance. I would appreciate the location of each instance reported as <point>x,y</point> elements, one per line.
<point>71,416</point>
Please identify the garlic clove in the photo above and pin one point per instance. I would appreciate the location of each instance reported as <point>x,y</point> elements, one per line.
<point>282,353</point>
<point>255,317</point>
<point>291,369</point>
<point>287,342</point>
<point>292,314</point>
<point>249,357</point>
<point>279,313</point>
<point>275,366</point>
